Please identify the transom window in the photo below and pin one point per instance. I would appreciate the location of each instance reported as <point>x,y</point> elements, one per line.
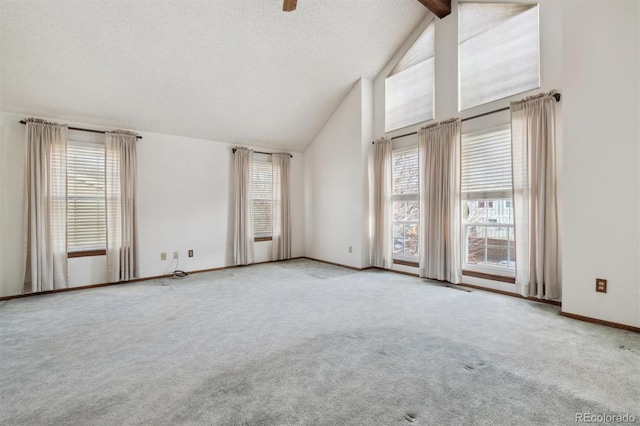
<point>487,204</point>
<point>498,51</point>
<point>406,205</point>
<point>410,85</point>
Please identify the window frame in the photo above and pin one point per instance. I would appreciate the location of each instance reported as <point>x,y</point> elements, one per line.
<point>403,259</point>
<point>499,199</point>
<point>430,57</point>
<point>463,106</point>
<point>97,249</point>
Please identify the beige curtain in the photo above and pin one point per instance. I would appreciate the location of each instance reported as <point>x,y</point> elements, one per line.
<point>281,237</point>
<point>534,195</point>
<point>46,207</point>
<point>120,179</point>
<point>243,191</point>
<point>381,248</point>
<point>439,157</point>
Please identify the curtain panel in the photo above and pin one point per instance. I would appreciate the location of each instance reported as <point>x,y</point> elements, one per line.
<point>439,158</point>
<point>243,192</point>
<point>381,234</point>
<point>533,153</point>
<point>281,231</point>
<point>45,207</point>
<point>120,180</point>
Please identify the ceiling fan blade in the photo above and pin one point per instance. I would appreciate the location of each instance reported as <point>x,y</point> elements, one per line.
<point>289,5</point>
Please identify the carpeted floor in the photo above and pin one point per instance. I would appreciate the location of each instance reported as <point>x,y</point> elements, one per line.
<point>305,343</point>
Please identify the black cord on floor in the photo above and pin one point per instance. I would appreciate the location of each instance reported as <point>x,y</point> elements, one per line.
<point>178,273</point>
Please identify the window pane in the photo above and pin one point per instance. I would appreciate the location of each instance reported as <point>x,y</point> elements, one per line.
<point>413,211</point>
<point>476,254</point>
<point>398,246</point>
<point>498,51</point>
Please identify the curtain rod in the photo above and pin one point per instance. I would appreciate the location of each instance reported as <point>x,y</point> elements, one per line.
<point>555,95</point>
<point>260,152</point>
<point>84,130</point>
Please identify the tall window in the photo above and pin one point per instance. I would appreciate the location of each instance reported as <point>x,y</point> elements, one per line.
<point>86,215</point>
<point>499,52</point>
<point>409,86</point>
<point>487,203</point>
<point>262,198</point>
<point>406,205</point>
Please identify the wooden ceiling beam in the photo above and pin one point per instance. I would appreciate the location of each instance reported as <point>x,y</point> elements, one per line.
<point>440,8</point>
<point>290,5</point>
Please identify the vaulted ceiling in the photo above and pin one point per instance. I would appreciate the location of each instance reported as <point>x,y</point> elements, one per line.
<point>239,71</point>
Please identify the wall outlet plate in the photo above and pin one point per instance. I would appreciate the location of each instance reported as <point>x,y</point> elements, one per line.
<point>190,253</point>
<point>163,256</point>
<point>175,254</point>
<point>601,285</point>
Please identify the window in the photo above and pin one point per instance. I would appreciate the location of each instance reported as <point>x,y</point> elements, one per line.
<point>86,215</point>
<point>498,51</point>
<point>406,205</point>
<point>410,85</point>
<point>262,198</point>
<point>488,231</point>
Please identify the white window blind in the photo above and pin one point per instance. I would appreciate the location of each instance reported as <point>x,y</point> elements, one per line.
<point>499,53</point>
<point>86,214</point>
<point>405,172</point>
<point>262,198</point>
<point>410,85</point>
<point>486,164</point>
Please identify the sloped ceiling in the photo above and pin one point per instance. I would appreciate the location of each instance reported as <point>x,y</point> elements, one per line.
<point>239,71</point>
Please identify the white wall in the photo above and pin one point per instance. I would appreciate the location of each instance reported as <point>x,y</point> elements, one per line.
<point>12,152</point>
<point>337,201</point>
<point>602,140</point>
<point>183,203</point>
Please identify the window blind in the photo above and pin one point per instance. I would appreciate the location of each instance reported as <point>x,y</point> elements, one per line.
<point>262,198</point>
<point>410,85</point>
<point>405,172</point>
<point>86,214</point>
<point>486,164</point>
<point>499,53</point>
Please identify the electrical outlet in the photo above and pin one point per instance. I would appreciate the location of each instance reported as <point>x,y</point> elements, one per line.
<point>175,254</point>
<point>190,253</point>
<point>350,249</point>
<point>163,256</point>
<point>601,285</point>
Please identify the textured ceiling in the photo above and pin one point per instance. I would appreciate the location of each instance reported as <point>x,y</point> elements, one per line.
<point>239,71</point>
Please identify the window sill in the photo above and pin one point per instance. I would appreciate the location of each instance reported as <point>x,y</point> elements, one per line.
<point>406,263</point>
<point>87,253</point>
<point>260,239</point>
<point>488,276</point>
